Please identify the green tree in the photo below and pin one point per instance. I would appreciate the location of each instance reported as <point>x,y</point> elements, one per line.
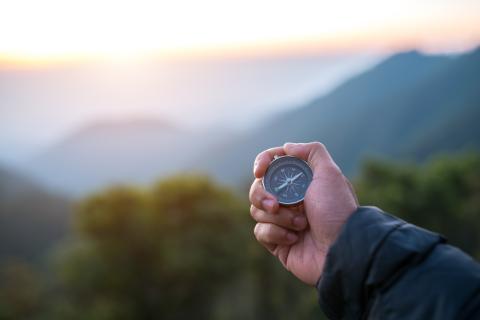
<point>185,249</point>
<point>442,195</point>
<point>20,291</point>
<point>182,249</point>
<point>166,252</point>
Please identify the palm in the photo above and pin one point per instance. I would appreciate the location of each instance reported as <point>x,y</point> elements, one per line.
<point>302,258</point>
<point>305,258</point>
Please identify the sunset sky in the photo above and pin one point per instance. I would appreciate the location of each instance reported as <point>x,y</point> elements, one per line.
<point>33,31</point>
<point>197,63</point>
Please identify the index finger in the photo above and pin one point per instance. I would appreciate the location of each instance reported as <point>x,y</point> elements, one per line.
<point>264,158</point>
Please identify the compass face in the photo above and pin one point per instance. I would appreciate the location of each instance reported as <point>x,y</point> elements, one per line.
<point>288,178</point>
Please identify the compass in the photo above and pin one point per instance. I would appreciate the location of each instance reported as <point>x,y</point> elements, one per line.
<point>288,178</point>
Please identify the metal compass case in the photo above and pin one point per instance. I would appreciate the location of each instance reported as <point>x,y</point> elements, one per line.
<point>288,178</point>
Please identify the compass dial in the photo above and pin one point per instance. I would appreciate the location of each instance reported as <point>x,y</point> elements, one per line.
<point>288,178</point>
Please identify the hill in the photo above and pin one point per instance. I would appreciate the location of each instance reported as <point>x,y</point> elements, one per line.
<point>410,106</point>
<point>136,151</point>
<point>32,220</point>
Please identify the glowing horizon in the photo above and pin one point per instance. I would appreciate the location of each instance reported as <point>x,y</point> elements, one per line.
<point>52,31</point>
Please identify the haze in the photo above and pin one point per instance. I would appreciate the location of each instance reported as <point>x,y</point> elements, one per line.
<point>223,64</point>
<point>53,30</point>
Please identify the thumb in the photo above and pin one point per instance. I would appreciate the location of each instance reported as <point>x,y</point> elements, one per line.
<point>314,153</point>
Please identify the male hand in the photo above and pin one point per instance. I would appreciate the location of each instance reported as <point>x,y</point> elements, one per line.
<point>301,236</point>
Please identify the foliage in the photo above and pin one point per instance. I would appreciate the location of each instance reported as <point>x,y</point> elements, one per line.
<point>20,291</point>
<point>443,195</point>
<point>148,254</point>
<point>184,248</point>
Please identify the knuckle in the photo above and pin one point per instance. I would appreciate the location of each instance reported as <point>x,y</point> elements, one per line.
<point>260,156</point>
<point>300,223</point>
<point>288,220</point>
<point>256,231</point>
<point>259,197</point>
<point>291,221</point>
<point>254,195</point>
<point>284,234</point>
<point>318,145</point>
<point>250,193</point>
<point>268,233</point>
<point>255,163</point>
<point>252,211</point>
<point>256,214</point>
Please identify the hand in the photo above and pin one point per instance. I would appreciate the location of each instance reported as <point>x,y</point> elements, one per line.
<point>301,236</point>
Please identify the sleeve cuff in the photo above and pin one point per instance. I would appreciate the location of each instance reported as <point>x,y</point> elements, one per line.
<point>372,250</point>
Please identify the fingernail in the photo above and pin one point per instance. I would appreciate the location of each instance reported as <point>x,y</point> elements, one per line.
<point>268,204</point>
<point>292,237</point>
<point>299,222</point>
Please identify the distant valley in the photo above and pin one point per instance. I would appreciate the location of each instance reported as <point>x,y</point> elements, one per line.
<point>408,107</point>
<point>127,152</point>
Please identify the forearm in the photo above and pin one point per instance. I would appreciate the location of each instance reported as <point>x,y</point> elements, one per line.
<point>381,266</point>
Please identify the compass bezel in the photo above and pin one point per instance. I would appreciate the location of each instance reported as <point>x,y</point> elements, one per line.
<point>276,164</point>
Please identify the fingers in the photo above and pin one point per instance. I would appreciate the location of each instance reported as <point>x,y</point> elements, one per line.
<point>263,160</point>
<point>271,235</point>
<point>314,153</point>
<point>284,218</point>
<point>261,198</point>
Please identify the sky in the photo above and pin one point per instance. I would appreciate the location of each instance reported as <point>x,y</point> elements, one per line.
<point>65,64</point>
<point>33,31</point>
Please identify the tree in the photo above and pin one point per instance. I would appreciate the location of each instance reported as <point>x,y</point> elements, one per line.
<point>161,253</point>
<point>184,248</point>
<point>180,250</point>
<point>442,195</point>
<point>20,291</point>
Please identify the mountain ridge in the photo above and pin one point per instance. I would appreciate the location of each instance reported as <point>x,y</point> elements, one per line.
<point>119,152</point>
<point>408,107</point>
<point>384,112</point>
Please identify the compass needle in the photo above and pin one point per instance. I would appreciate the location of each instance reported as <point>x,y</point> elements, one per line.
<point>288,178</point>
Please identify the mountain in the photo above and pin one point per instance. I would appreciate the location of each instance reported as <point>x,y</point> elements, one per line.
<point>32,220</point>
<point>116,152</point>
<point>410,106</point>
<point>190,91</point>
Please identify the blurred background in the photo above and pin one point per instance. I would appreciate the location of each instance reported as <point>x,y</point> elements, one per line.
<point>128,130</point>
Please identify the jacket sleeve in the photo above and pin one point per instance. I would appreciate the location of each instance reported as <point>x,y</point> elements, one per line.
<point>381,267</point>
